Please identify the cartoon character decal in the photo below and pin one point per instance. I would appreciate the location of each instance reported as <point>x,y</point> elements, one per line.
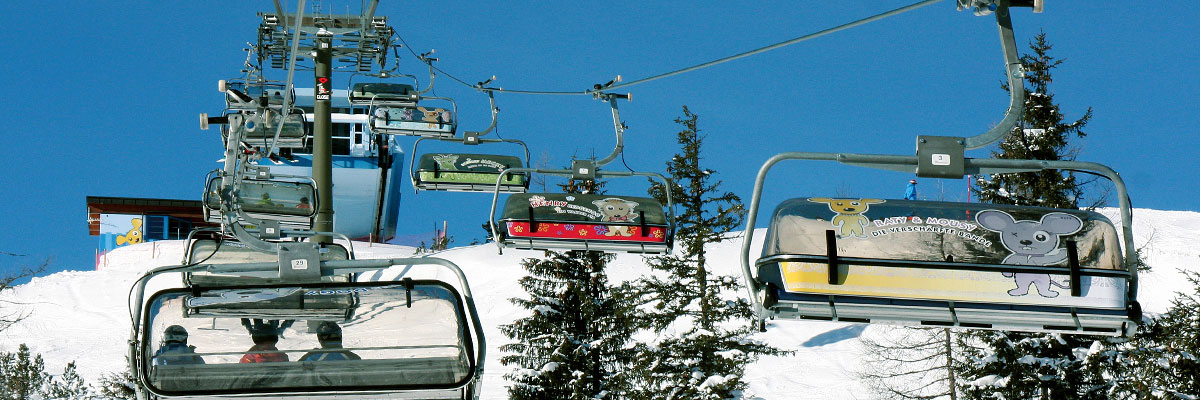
<point>617,210</point>
<point>849,218</point>
<point>1031,243</point>
<point>446,161</point>
<point>134,236</point>
<point>434,117</point>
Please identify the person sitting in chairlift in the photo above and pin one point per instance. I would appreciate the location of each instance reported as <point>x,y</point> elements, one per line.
<point>175,350</point>
<point>266,200</point>
<point>264,333</point>
<point>304,203</point>
<point>329,334</point>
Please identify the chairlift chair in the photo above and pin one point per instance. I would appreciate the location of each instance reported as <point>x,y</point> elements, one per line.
<point>257,108</point>
<point>566,221</point>
<point>404,338</point>
<point>467,172</point>
<point>470,172</point>
<point>395,109</point>
<point>947,264</point>
<point>291,200</point>
<point>943,264</point>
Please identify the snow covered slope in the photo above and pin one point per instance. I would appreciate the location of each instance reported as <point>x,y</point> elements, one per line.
<point>82,316</point>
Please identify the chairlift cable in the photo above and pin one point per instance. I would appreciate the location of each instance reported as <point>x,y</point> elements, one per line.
<point>780,44</point>
<point>694,67</point>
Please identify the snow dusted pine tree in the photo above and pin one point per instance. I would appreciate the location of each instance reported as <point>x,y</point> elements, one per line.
<point>1162,361</point>
<point>703,343</point>
<point>69,385</point>
<point>22,374</point>
<point>575,344</point>
<point>997,364</point>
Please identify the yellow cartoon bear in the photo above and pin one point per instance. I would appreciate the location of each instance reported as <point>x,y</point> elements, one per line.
<point>849,214</point>
<point>134,236</point>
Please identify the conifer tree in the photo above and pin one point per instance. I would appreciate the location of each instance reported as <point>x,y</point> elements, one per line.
<point>118,385</point>
<point>1021,365</point>
<point>1040,134</point>
<point>69,385</point>
<point>1161,361</point>
<point>575,344</point>
<point>705,360</point>
<point>23,374</point>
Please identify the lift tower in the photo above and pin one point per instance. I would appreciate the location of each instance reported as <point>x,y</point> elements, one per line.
<point>332,42</point>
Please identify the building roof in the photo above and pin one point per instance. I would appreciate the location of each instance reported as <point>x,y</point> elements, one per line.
<point>189,210</point>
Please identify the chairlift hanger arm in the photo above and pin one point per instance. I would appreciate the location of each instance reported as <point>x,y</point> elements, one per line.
<point>429,62</point>
<point>495,112</point>
<point>1016,85</point>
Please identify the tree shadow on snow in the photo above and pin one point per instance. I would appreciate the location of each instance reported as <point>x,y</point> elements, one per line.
<point>836,335</point>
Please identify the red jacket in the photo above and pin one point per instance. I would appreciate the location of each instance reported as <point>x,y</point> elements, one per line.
<point>254,357</point>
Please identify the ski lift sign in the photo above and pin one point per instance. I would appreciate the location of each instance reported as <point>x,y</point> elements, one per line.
<point>323,88</point>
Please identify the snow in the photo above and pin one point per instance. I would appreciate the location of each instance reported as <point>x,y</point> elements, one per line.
<point>82,315</point>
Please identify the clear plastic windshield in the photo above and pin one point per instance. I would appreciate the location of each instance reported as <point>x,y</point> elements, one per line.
<point>942,232</point>
<point>297,339</point>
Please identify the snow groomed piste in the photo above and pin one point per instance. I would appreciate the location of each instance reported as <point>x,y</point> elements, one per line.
<point>270,304</point>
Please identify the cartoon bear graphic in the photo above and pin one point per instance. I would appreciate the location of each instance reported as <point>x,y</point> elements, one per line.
<point>849,218</point>
<point>1031,243</point>
<point>617,210</point>
<point>134,236</point>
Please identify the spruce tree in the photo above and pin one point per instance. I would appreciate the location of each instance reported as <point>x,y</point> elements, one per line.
<point>118,385</point>
<point>23,374</point>
<point>1040,134</point>
<point>706,360</point>
<point>69,385</point>
<point>1022,365</point>
<point>575,344</point>
<point>1161,361</point>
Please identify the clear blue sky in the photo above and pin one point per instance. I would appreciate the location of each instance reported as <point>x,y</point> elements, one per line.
<point>103,96</point>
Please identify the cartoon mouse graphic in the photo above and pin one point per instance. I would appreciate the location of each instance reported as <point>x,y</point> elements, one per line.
<point>849,216</point>
<point>617,210</point>
<point>1031,243</point>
